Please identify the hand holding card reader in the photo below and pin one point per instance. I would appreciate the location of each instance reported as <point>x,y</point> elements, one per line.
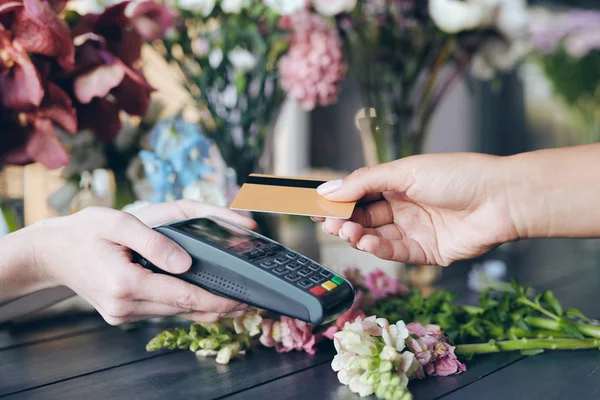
<point>234,262</point>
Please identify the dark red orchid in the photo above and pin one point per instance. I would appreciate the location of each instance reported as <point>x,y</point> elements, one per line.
<point>31,134</point>
<point>81,77</point>
<point>20,82</point>
<point>126,25</point>
<point>103,85</point>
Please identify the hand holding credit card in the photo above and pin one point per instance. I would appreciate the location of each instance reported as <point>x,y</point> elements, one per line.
<point>286,195</point>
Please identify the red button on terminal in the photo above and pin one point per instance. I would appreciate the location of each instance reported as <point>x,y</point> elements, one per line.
<point>318,291</point>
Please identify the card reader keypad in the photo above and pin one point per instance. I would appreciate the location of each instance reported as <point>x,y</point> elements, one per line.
<point>293,268</point>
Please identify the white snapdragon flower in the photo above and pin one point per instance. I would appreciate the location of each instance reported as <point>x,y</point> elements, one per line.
<point>285,7</point>
<point>393,335</point>
<point>498,55</point>
<point>205,7</point>
<point>242,59</point>
<point>249,322</point>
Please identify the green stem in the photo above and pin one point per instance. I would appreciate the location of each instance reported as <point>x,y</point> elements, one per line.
<point>544,323</point>
<point>526,301</point>
<point>527,344</point>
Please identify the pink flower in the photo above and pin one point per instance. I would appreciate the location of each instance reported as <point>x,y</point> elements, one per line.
<point>420,349</point>
<point>381,285</point>
<point>351,315</point>
<point>432,351</point>
<point>288,334</point>
<point>446,362</point>
<point>415,328</point>
<point>313,69</point>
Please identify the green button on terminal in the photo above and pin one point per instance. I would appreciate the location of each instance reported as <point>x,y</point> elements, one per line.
<point>337,280</point>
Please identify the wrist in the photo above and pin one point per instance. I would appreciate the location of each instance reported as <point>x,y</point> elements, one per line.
<point>524,196</point>
<point>21,272</point>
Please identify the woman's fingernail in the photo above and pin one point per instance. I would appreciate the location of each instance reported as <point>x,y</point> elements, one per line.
<point>359,246</point>
<point>330,187</point>
<point>178,261</point>
<point>323,227</point>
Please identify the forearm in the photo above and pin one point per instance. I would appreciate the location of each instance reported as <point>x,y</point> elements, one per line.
<point>19,274</point>
<point>554,193</point>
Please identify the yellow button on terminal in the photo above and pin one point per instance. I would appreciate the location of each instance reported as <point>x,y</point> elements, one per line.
<point>329,285</point>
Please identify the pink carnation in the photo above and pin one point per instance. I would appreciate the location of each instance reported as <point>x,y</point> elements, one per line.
<point>313,69</point>
<point>351,315</point>
<point>381,285</point>
<point>288,334</point>
<point>432,351</point>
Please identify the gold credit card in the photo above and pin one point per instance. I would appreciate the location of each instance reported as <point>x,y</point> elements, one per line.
<point>286,195</point>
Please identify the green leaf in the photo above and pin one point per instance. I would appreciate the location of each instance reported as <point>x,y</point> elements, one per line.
<point>570,329</point>
<point>574,313</point>
<point>531,352</point>
<point>552,302</point>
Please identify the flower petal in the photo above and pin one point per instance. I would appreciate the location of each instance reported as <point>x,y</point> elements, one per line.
<point>150,19</point>
<point>45,147</point>
<point>98,82</point>
<point>101,117</point>
<point>40,31</point>
<point>21,85</point>
<point>133,94</point>
<point>57,107</point>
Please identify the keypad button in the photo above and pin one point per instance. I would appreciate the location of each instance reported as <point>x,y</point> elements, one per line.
<point>293,266</point>
<point>281,260</point>
<point>337,280</point>
<point>274,247</point>
<point>305,271</point>
<point>280,270</point>
<point>292,277</point>
<point>326,274</point>
<point>291,255</point>
<point>250,255</point>
<point>314,267</point>
<point>318,291</point>
<point>316,278</point>
<point>303,261</point>
<point>305,283</point>
<point>329,285</point>
<point>268,264</point>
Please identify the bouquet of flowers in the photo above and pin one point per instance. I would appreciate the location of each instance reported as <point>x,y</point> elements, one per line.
<point>392,334</point>
<point>236,55</point>
<point>407,54</point>
<point>568,48</point>
<point>62,71</point>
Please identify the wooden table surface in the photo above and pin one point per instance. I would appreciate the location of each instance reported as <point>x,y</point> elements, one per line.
<point>81,357</point>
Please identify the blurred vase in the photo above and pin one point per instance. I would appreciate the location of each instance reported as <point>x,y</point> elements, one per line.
<point>291,140</point>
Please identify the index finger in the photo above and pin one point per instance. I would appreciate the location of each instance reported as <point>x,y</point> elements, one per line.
<point>162,213</point>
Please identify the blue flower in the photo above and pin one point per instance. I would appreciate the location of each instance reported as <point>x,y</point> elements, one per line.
<point>162,177</point>
<point>190,163</point>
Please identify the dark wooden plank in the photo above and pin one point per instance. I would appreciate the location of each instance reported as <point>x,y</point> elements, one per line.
<point>46,362</point>
<point>559,375</point>
<point>48,329</point>
<point>180,375</point>
<point>323,380</point>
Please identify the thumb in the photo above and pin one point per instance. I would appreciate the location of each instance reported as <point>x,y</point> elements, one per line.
<point>365,181</point>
